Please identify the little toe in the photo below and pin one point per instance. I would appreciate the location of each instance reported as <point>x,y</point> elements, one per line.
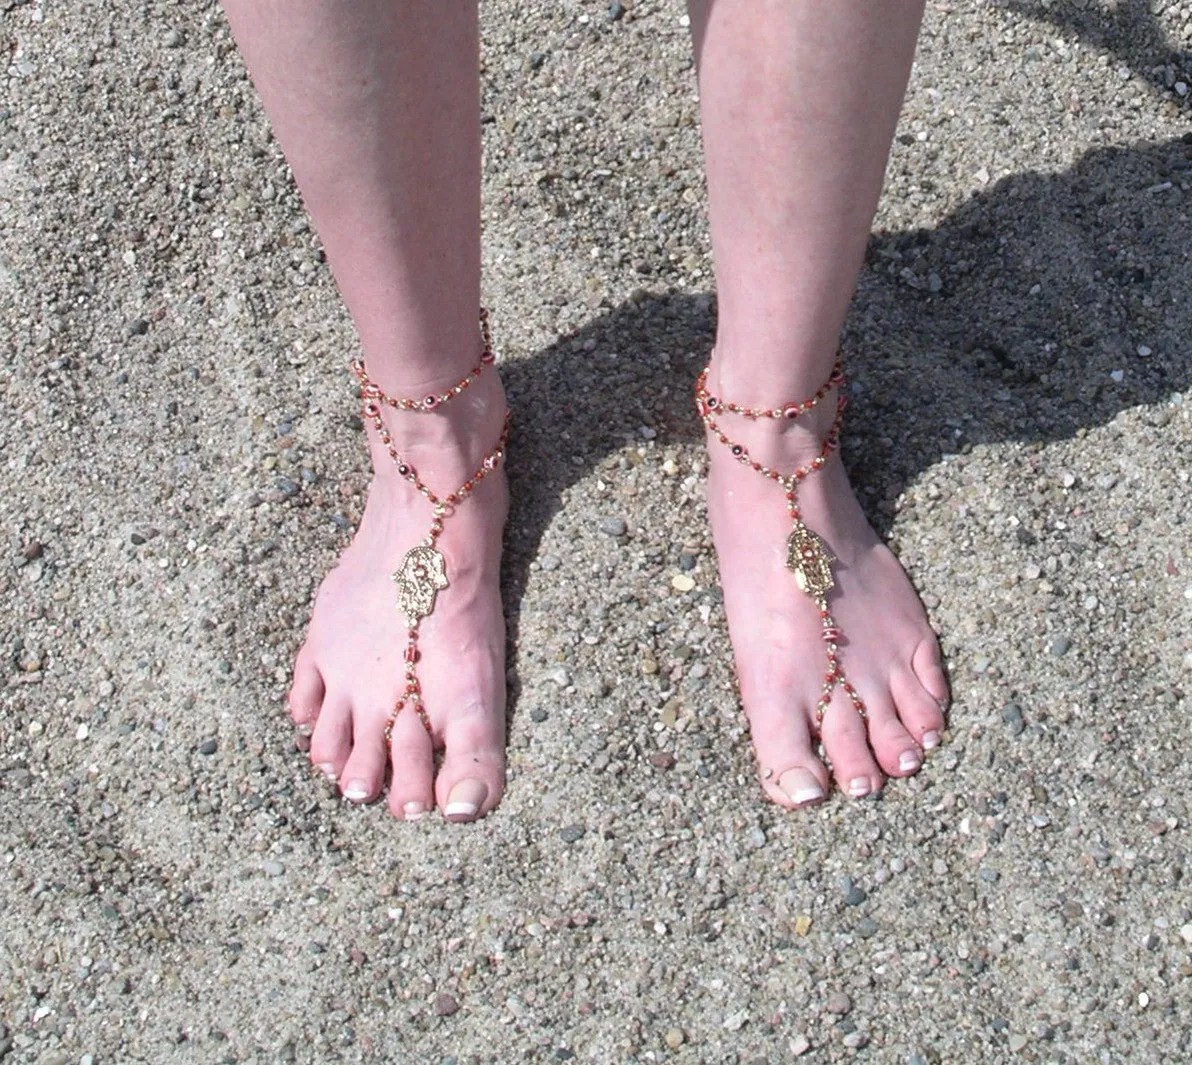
<point>331,743</point>
<point>363,773</point>
<point>791,774</point>
<point>411,790</point>
<point>306,694</point>
<point>928,666</point>
<point>896,749</point>
<point>847,746</point>
<point>919,710</point>
<point>472,777</point>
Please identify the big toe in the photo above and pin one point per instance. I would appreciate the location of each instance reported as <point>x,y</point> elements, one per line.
<point>471,779</point>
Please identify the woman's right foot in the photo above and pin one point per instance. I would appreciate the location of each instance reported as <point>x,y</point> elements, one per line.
<point>350,671</point>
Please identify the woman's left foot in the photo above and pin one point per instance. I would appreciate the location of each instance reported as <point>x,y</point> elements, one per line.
<point>887,648</point>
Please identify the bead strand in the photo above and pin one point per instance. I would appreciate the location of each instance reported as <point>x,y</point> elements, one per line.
<point>370,391</point>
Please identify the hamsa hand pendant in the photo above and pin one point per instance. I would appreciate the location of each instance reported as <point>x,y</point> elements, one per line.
<point>808,556</point>
<point>423,574</point>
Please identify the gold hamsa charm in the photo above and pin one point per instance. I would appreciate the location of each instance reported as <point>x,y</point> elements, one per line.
<point>423,574</point>
<point>808,556</point>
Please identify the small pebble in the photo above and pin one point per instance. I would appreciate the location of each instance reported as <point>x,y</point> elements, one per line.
<point>1012,718</point>
<point>799,1044</point>
<point>572,833</point>
<point>1060,646</point>
<point>838,1003</point>
<point>855,1040</point>
<point>614,526</point>
<point>736,1021</point>
<point>272,868</point>
<point>674,1038</point>
<point>445,1005</point>
<point>209,746</point>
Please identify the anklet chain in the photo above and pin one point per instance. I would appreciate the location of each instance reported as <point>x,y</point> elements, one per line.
<point>806,555</point>
<point>369,390</point>
<point>423,570</point>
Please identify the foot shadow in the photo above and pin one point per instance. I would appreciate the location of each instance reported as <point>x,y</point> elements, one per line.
<point>1043,306</point>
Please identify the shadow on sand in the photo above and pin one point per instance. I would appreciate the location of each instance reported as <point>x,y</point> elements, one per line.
<point>1044,305</point>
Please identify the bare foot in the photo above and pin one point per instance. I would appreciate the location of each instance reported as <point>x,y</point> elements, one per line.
<point>888,649</point>
<point>351,669</point>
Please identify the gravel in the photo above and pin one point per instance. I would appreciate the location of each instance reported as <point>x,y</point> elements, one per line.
<point>184,463</point>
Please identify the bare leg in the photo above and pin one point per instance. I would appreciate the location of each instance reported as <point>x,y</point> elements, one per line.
<point>376,104</point>
<point>799,103</point>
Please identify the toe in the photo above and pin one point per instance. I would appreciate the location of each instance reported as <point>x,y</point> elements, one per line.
<point>331,742</point>
<point>363,773</point>
<point>928,666</point>
<point>472,777</point>
<point>896,749</point>
<point>411,791</point>
<point>790,772</point>
<point>306,694</point>
<point>847,745</point>
<point>920,711</point>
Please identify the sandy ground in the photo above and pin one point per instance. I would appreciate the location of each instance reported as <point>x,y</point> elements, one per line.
<point>183,463</point>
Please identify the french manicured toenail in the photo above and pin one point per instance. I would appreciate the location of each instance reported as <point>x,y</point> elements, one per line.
<point>858,787</point>
<point>909,760</point>
<point>413,811</point>
<point>465,798</point>
<point>931,740</point>
<point>801,786</point>
<point>328,770</point>
<point>356,791</point>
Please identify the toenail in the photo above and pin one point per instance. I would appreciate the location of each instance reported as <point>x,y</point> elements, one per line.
<point>356,791</point>
<point>909,760</point>
<point>303,729</point>
<point>858,787</point>
<point>328,770</point>
<point>465,798</point>
<point>801,787</point>
<point>931,740</point>
<point>413,811</point>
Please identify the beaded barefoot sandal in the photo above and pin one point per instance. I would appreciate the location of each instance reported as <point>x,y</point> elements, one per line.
<point>423,571</point>
<point>807,556</point>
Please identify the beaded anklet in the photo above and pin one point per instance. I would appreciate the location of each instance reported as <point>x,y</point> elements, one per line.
<point>423,570</point>
<point>806,555</point>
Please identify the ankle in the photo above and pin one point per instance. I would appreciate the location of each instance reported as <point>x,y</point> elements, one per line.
<point>444,443</point>
<point>767,376</point>
<point>781,429</point>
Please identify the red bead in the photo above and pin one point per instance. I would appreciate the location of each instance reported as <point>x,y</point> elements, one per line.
<point>412,654</point>
<point>371,410</point>
<point>488,357</point>
<point>430,402</point>
<point>791,412</point>
<point>831,634</point>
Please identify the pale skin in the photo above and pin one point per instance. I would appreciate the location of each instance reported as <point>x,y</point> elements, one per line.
<point>375,104</point>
